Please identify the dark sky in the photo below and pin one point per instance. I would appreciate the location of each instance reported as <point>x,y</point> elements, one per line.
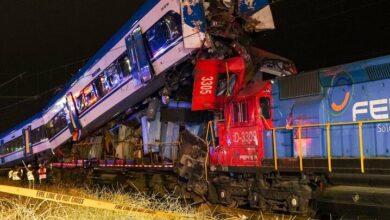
<point>49,40</point>
<point>320,33</point>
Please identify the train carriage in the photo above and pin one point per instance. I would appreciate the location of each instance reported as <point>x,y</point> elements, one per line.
<point>161,38</point>
<point>24,140</point>
<point>129,68</point>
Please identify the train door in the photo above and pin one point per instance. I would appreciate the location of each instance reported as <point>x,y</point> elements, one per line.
<point>138,56</point>
<point>73,122</point>
<point>27,141</point>
<point>2,151</point>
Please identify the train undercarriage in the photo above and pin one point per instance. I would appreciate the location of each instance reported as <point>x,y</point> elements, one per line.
<point>311,195</point>
<point>313,192</point>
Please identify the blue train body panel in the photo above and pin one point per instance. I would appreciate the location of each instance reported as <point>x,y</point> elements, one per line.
<point>353,92</point>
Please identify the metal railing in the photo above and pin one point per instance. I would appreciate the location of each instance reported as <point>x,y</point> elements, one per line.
<point>328,138</point>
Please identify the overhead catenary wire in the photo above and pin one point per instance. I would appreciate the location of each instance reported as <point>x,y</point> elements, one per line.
<point>23,75</point>
<point>15,97</point>
<point>20,75</point>
<point>37,96</point>
<point>31,98</point>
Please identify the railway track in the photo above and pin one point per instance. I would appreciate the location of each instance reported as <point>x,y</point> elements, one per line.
<point>222,212</point>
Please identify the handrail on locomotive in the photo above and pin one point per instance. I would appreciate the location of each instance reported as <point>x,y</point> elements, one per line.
<point>210,134</point>
<point>328,138</point>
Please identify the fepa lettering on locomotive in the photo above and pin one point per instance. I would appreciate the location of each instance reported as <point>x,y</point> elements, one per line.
<point>377,109</point>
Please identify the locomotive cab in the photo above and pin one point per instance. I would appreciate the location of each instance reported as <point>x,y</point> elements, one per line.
<point>247,116</point>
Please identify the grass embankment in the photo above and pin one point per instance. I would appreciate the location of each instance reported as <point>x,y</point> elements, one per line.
<point>17,207</point>
<point>22,208</point>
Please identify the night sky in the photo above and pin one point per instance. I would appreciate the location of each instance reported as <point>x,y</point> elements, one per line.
<point>44,42</point>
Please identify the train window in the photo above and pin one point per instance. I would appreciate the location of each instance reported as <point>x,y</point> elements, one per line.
<point>56,124</point>
<point>125,66</point>
<point>162,34</point>
<point>13,145</point>
<point>223,84</point>
<point>102,86</point>
<point>43,133</point>
<point>5,148</point>
<point>80,103</point>
<point>60,122</point>
<point>38,134</point>
<point>50,128</point>
<point>90,95</point>
<point>34,135</point>
<point>240,112</point>
<point>112,74</point>
<point>18,143</point>
<point>265,107</point>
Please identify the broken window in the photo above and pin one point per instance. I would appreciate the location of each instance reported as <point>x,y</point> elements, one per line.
<point>225,86</point>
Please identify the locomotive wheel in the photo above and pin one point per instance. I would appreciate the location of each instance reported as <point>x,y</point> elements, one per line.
<point>233,203</point>
<point>188,195</point>
<point>256,201</point>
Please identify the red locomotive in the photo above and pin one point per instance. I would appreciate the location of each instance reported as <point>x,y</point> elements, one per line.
<point>301,143</point>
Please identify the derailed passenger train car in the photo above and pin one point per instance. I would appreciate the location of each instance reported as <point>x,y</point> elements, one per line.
<point>152,50</point>
<point>150,57</point>
<point>129,68</point>
<point>19,142</point>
